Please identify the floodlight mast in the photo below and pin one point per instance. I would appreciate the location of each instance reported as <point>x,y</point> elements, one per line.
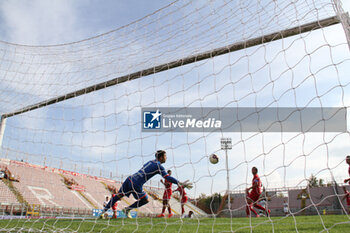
<point>226,144</point>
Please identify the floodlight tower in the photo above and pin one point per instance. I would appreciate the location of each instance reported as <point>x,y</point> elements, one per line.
<point>226,144</point>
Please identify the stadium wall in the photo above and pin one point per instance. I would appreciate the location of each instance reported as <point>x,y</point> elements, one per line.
<point>301,201</point>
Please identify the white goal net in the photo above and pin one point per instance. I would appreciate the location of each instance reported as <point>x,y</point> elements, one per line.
<point>72,115</point>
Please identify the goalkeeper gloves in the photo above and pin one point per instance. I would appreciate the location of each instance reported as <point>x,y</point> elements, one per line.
<point>186,184</point>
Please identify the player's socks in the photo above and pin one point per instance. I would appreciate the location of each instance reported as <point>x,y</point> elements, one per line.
<point>259,207</point>
<point>268,212</point>
<point>139,203</point>
<point>169,209</point>
<point>250,209</point>
<point>163,210</point>
<point>182,209</point>
<point>247,211</point>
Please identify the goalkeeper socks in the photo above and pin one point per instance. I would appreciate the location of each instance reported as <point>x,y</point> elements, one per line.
<point>139,203</point>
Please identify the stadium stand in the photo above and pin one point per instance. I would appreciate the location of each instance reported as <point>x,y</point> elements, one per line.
<point>45,186</point>
<point>94,189</point>
<point>40,186</point>
<point>6,196</point>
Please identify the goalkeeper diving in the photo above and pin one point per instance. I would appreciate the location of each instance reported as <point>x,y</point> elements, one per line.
<point>134,183</point>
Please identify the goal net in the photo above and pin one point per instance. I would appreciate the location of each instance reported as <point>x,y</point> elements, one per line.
<point>74,122</point>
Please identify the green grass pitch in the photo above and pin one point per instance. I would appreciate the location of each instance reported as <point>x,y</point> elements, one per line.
<point>333,223</point>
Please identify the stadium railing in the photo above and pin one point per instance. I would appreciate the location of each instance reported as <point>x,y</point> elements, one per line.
<point>8,209</point>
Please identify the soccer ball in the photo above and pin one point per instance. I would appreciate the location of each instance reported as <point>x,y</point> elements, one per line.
<point>213,158</point>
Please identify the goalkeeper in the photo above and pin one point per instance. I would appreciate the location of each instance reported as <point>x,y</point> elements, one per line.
<point>134,183</point>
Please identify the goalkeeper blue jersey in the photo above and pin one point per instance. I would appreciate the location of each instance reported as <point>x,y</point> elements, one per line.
<point>148,170</point>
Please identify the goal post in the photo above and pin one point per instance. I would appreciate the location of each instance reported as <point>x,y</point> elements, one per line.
<point>344,19</point>
<point>2,128</point>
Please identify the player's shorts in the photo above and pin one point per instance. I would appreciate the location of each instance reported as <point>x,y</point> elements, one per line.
<point>128,188</point>
<point>253,196</point>
<point>167,195</point>
<point>184,200</point>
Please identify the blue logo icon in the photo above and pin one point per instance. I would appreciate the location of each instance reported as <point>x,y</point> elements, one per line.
<point>152,120</point>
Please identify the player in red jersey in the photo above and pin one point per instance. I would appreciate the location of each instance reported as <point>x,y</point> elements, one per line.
<point>254,195</point>
<point>347,197</point>
<point>166,197</point>
<point>184,198</point>
<point>348,162</point>
<point>114,208</point>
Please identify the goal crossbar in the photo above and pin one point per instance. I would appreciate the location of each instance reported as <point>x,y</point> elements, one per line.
<point>180,62</point>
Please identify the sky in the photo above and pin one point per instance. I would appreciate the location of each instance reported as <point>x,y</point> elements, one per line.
<point>100,134</point>
<point>40,22</point>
